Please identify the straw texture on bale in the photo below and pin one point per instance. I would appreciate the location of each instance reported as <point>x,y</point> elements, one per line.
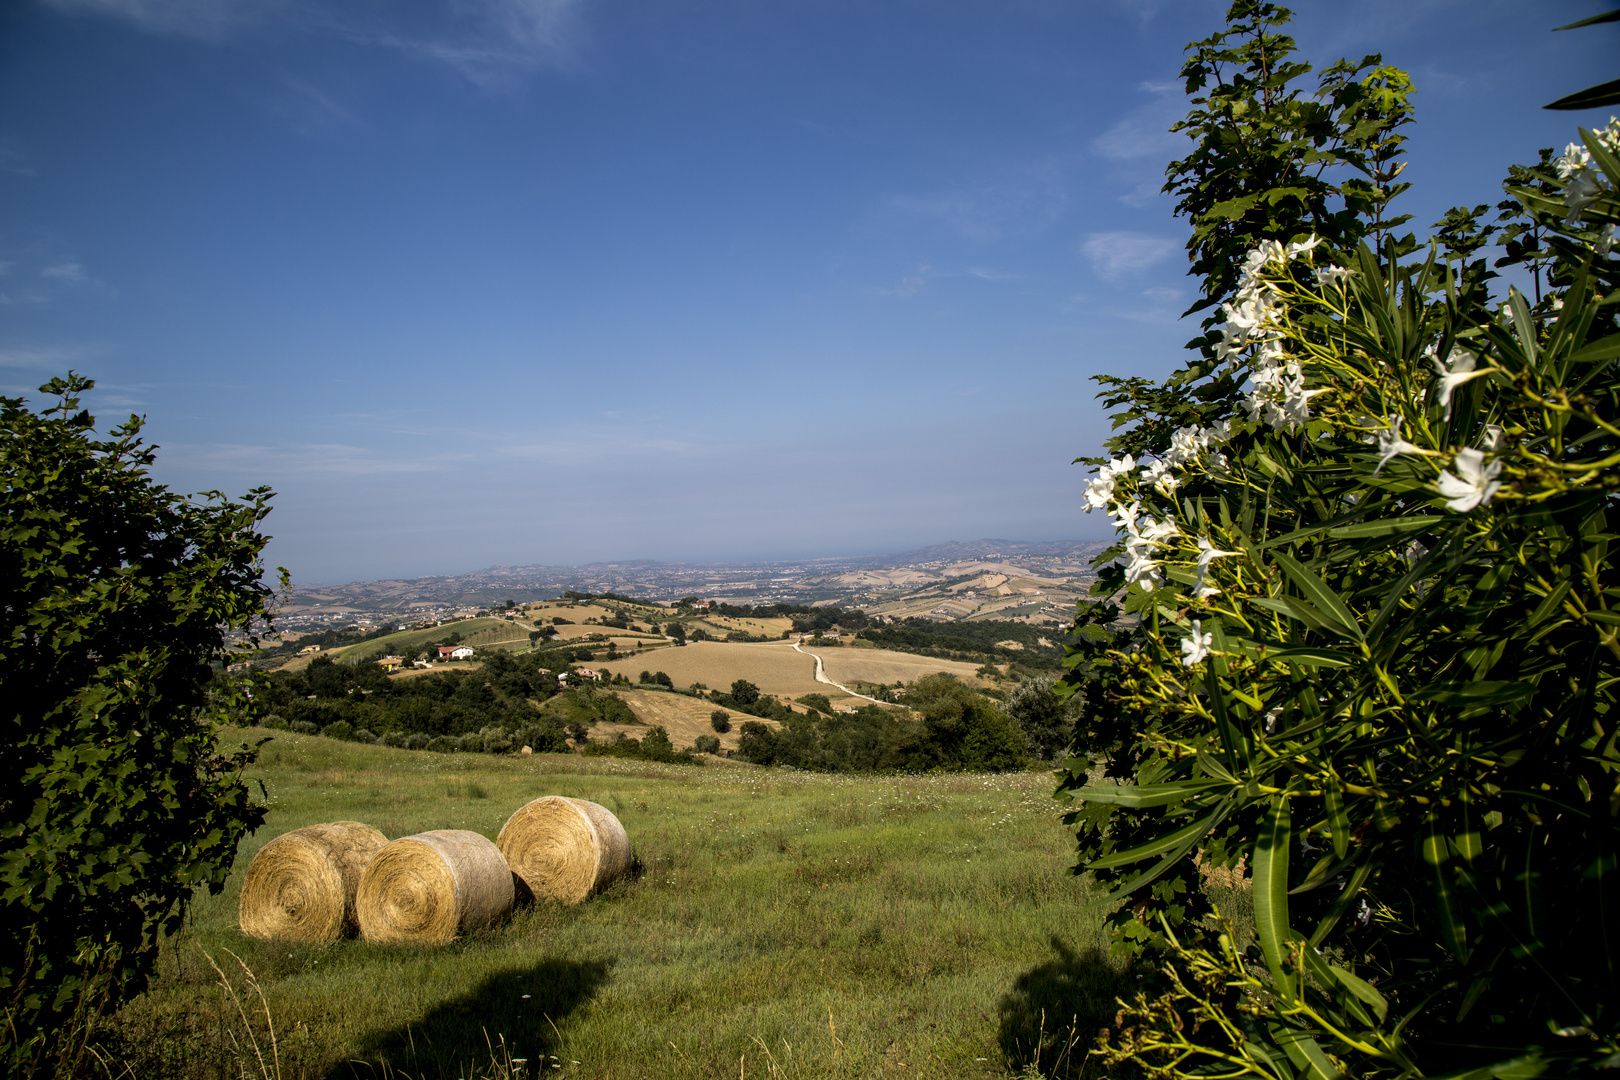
<point>301,885</point>
<point>564,848</point>
<point>432,887</point>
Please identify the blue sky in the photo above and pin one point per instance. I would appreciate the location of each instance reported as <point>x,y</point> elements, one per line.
<point>556,281</point>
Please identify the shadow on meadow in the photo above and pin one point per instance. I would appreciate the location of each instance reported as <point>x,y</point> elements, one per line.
<point>1051,1016</point>
<point>509,1015</point>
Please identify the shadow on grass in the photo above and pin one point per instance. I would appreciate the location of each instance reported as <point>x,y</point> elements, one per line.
<point>1051,1016</point>
<point>509,1015</point>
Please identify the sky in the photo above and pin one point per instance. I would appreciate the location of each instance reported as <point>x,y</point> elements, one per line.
<point>476,282</point>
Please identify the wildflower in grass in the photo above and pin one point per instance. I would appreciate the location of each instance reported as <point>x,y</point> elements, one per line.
<point>1474,483</point>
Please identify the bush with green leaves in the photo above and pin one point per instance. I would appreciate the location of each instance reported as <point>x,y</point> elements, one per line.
<point>720,720</point>
<point>1359,630</point>
<point>118,804</point>
<point>1379,658</point>
<point>706,744</point>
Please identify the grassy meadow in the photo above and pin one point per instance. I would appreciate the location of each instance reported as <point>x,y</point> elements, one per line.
<point>776,924</point>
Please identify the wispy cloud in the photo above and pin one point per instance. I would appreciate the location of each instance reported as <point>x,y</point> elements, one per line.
<point>53,358</point>
<point>1144,132</point>
<point>310,110</point>
<point>1022,200</point>
<point>910,284</point>
<point>15,160</point>
<point>492,43</point>
<point>208,20</point>
<point>305,459</point>
<point>67,271</point>
<point>1115,254</point>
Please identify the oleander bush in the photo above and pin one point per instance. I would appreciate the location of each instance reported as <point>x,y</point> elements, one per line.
<point>1361,631</point>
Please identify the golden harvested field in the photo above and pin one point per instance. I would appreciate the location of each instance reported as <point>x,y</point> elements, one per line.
<point>683,717</point>
<point>721,626</point>
<point>847,665</point>
<point>784,671</point>
<point>775,669</point>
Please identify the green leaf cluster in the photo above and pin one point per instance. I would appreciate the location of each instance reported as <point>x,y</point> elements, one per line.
<point>115,804</point>
<point>1373,656</point>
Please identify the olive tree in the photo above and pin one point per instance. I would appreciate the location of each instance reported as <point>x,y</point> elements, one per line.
<point>120,599</point>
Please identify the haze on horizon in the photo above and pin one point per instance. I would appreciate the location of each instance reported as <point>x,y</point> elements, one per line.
<point>567,281</point>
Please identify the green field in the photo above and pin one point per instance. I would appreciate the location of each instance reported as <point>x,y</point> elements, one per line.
<point>778,924</point>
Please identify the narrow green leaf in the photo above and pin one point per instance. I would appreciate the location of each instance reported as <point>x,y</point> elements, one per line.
<point>1305,1052</point>
<point>1314,657</point>
<point>1295,608</point>
<point>1140,797</point>
<point>1593,97</point>
<point>1602,349</point>
<point>1451,924</point>
<point>1337,821</point>
<point>1147,877</point>
<point>1271,894</point>
<point>1317,592</point>
<point>1214,769</point>
<point>1363,990</point>
<point>1363,530</point>
<point>1155,847</point>
<point>1607,16</point>
<point>1549,603</point>
<point>1474,693</point>
<point>1347,899</point>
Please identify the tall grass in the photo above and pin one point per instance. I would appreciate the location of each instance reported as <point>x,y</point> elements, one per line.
<point>778,924</point>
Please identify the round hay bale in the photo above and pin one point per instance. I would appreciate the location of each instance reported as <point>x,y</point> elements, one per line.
<point>432,887</point>
<point>301,885</point>
<point>564,848</point>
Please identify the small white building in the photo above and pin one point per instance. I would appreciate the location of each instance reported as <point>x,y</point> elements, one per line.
<point>462,652</point>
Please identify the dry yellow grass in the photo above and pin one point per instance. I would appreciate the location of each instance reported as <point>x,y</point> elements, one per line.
<point>683,717</point>
<point>775,669</point>
<point>881,666</point>
<point>720,626</point>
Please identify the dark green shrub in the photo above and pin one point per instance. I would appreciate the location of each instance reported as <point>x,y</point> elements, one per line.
<point>720,720</point>
<point>707,744</point>
<point>340,730</point>
<point>117,803</point>
<point>364,735</point>
<point>417,741</point>
<point>819,702</point>
<point>442,744</point>
<point>304,727</point>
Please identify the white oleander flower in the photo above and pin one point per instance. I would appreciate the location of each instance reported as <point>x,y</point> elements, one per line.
<point>1100,492</point>
<point>1390,443</point>
<point>1332,277</point>
<point>1195,647</point>
<point>1159,476</point>
<point>1474,483</point>
<point>1303,247</point>
<point>1458,369</point>
<point>1207,553</point>
<point>1294,411</point>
